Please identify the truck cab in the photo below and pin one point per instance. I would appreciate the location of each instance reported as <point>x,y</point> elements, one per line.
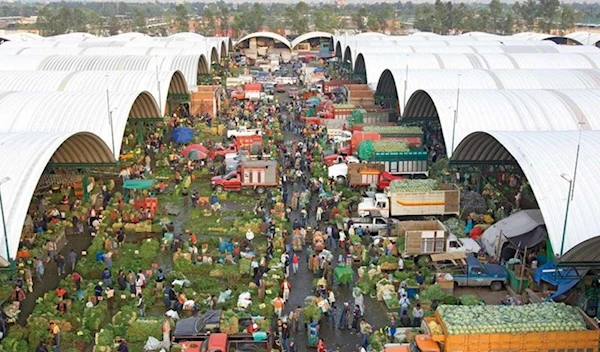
<point>220,151</point>
<point>379,203</point>
<point>228,182</point>
<point>476,274</point>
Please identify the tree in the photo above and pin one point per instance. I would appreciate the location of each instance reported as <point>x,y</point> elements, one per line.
<point>425,18</point>
<point>325,19</point>
<point>509,23</point>
<point>139,22</point>
<point>528,12</point>
<point>181,17</point>
<point>568,16</point>
<point>358,18</point>
<point>255,18</point>
<point>114,26</point>
<point>209,21</point>
<point>549,12</point>
<point>224,16</point>
<point>496,16</point>
<point>95,23</point>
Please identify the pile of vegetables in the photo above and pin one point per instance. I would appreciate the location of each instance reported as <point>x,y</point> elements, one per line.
<point>487,319</point>
<point>426,185</point>
<point>388,262</point>
<point>343,274</point>
<point>395,130</point>
<point>455,226</point>
<point>433,292</point>
<point>367,149</point>
<point>229,323</point>
<point>469,300</point>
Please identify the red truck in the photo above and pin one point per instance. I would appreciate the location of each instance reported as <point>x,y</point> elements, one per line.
<point>219,342</point>
<point>257,174</point>
<point>219,151</point>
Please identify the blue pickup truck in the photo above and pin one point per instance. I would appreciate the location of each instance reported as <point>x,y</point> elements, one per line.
<point>475,274</point>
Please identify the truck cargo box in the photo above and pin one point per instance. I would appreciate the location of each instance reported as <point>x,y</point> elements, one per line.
<point>439,202</point>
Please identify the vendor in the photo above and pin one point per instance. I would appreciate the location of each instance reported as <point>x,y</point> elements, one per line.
<point>65,200</point>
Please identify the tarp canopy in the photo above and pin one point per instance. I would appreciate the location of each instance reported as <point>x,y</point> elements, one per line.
<point>564,278</point>
<point>138,184</point>
<point>525,228</point>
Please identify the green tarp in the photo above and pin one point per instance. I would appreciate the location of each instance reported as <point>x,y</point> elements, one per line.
<point>138,184</point>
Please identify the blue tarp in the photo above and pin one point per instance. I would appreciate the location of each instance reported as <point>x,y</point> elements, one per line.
<point>564,278</point>
<point>182,135</point>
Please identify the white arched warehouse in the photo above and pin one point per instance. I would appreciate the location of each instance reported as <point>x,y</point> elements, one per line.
<point>160,85</point>
<point>548,161</point>
<point>23,158</point>
<point>372,65</point>
<point>75,112</point>
<point>504,110</point>
<point>310,35</point>
<point>270,35</point>
<point>585,38</point>
<point>401,85</point>
<point>190,65</point>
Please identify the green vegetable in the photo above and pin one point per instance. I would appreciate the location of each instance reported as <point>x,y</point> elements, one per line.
<point>426,185</point>
<point>469,300</point>
<point>395,130</point>
<point>433,292</point>
<point>541,317</point>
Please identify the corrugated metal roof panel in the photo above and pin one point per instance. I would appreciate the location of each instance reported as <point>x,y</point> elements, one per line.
<point>544,157</point>
<point>23,158</point>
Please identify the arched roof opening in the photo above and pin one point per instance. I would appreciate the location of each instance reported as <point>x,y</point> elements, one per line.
<point>400,84</point>
<point>75,112</point>
<point>348,56</point>
<point>338,50</point>
<point>223,50</point>
<point>214,56</point>
<point>23,158</point>
<point>504,110</point>
<point>585,38</point>
<point>545,157</point>
<point>310,35</point>
<point>269,35</point>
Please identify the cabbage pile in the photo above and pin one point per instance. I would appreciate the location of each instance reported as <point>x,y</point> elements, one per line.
<point>426,185</point>
<point>540,317</point>
<point>400,130</point>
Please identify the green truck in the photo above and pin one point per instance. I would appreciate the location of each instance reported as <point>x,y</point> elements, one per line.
<point>397,156</point>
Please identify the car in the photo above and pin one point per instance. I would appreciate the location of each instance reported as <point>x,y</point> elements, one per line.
<point>269,88</point>
<point>280,88</point>
<point>293,92</point>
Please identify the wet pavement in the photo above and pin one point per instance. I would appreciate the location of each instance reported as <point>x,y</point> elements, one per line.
<point>346,340</point>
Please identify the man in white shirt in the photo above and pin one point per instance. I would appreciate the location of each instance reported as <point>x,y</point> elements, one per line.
<point>400,263</point>
<point>404,303</point>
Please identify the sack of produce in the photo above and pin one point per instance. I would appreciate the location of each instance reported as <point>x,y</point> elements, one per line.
<point>343,274</point>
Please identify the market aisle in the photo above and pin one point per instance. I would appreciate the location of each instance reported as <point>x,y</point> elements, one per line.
<point>50,280</point>
<point>302,286</point>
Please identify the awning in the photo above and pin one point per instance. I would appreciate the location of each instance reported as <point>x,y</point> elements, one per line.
<point>564,278</point>
<point>138,184</point>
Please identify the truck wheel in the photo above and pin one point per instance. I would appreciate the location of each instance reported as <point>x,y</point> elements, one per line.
<point>260,190</point>
<point>219,188</point>
<point>219,158</point>
<point>341,180</point>
<point>496,286</point>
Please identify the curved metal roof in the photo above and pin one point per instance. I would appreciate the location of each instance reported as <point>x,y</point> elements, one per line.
<point>128,36</point>
<point>544,157</point>
<point>189,65</point>
<point>310,35</point>
<point>505,110</point>
<point>396,82</point>
<point>270,35</point>
<point>187,36</point>
<point>23,158</point>
<point>22,37</point>
<point>374,64</point>
<point>585,38</point>
<point>170,82</point>
<point>74,112</point>
<point>77,36</point>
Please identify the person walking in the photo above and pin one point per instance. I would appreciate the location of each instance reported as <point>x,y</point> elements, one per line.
<point>55,331</point>
<point>72,259</point>
<point>345,316</point>
<point>295,262</point>
<point>404,303</point>
<point>160,279</point>
<point>365,330</point>
<point>51,247</point>
<point>417,315</point>
<point>140,282</point>
<point>106,277</point>
<point>28,279</point>
<point>38,266</point>
<point>285,288</point>
<point>141,305</point>
<point>60,264</point>
<point>319,213</point>
<point>278,303</point>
